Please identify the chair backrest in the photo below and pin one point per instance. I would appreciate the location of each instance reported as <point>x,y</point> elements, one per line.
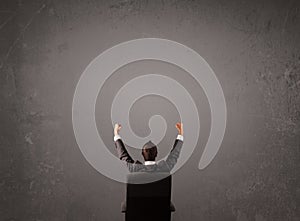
<point>149,199</point>
<point>159,188</point>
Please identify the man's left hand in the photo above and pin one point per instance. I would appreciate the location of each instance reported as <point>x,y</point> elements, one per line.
<point>117,128</point>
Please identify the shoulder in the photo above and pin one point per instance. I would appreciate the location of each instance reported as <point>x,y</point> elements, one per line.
<point>163,166</point>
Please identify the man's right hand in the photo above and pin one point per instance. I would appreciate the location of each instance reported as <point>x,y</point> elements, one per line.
<point>117,128</point>
<point>179,127</point>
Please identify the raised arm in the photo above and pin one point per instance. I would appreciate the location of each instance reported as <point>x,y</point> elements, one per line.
<point>174,154</point>
<point>122,152</point>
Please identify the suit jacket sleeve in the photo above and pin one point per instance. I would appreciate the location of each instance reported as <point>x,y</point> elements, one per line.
<point>122,152</point>
<point>174,154</point>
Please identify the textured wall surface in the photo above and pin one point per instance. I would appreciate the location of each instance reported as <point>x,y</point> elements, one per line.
<point>254,49</point>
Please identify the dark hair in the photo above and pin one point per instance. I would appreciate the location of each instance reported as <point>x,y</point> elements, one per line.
<point>149,151</point>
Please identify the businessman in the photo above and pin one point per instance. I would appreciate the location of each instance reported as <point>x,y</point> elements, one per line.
<point>149,152</point>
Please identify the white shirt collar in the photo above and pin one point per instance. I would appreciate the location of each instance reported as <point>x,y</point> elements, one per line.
<point>149,163</point>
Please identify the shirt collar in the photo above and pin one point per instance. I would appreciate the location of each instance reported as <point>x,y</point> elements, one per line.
<point>149,163</point>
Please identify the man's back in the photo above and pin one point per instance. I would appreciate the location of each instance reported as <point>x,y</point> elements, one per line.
<point>160,166</point>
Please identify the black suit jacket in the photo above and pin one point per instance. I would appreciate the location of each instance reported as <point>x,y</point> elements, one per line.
<point>160,166</point>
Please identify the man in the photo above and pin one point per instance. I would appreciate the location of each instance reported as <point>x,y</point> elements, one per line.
<point>149,152</point>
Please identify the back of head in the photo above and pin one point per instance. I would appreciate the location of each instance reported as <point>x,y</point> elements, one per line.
<point>149,151</point>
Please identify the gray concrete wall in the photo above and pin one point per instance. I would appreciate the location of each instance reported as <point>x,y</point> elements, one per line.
<point>253,47</point>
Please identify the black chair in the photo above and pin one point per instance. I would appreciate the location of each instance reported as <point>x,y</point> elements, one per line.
<point>149,201</point>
